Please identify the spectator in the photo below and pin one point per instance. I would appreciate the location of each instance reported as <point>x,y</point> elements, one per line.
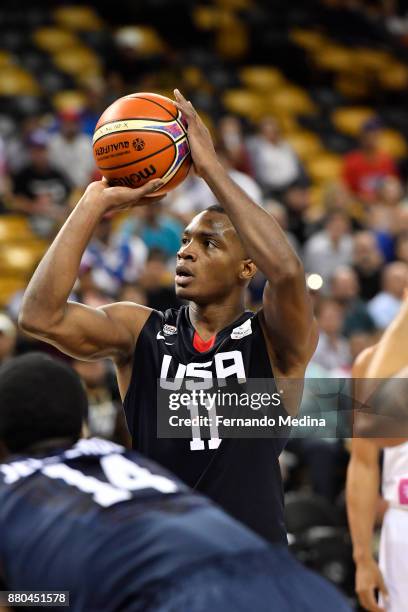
<point>40,190</point>
<point>232,140</point>
<point>273,159</point>
<point>332,351</point>
<point>384,306</point>
<point>401,248</point>
<point>156,228</point>
<point>390,192</point>
<point>297,203</point>
<point>71,150</point>
<point>113,259</point>
<point>330,248</point>
<point>133,293</point>
<point>158,283</point>
<point>367,262</point>
<point>345,290</point>
<point>8,338</point>
<point>193,196</point>
<point>366,168</point>
<point>105,413</point>
<point>280,213</point>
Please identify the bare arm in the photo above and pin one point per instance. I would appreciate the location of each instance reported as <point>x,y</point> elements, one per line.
<point>79,330</point>
<point>287,308</point>
<point>362,494</point>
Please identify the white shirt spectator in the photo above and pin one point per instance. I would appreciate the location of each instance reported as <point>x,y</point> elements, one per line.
<point>332,355</point>
<point>194,195</point>
<point>73,157</point>
<point>276,165</point>
<point>322,255</point>
<point>383,308</point>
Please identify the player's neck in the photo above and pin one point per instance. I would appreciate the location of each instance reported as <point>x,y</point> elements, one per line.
<point>209,319</point>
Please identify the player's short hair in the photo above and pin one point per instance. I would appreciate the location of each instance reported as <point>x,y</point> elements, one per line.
<point>41,398</point>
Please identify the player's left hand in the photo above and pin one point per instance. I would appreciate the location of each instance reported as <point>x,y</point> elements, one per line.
<point>199,137</point>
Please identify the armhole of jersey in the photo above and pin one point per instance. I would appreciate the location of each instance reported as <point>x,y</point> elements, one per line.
<point>260,321</point>
<point>139,341</point>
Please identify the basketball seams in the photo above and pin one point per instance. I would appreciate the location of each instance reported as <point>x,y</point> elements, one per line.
<point>141,129</point>
<point>155,120</point>
<point>153,102</point>
<point>136,161</point>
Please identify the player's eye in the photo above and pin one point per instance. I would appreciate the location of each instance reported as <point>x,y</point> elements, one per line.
<point>184,241</point>
<point>209,244</point>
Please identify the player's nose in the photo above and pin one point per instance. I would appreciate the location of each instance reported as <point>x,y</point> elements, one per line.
<point>187,251</point>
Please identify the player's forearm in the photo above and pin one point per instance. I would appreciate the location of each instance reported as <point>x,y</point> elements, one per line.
<point>48,291</point>
<point>263,239</point>
<point>391,355</point>
<point>362,495</point>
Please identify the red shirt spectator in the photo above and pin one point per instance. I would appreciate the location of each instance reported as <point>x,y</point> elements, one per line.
<point>365,168</point>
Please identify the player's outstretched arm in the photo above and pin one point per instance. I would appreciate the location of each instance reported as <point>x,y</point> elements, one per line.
<point>79,330</point>
<point>287,307</point>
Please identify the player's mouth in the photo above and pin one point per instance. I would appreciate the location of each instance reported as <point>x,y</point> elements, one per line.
<point>183,276</point>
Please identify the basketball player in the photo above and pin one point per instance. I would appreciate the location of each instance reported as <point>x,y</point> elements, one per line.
<point>214,336</point>
<point>387,359</point>
<point>115,530</point>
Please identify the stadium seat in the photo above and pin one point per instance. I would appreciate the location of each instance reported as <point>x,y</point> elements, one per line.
<point>21,258</point>
<point>15,81</point>
<point>141,38</point>
<point>310,40</point>
<point>324,167</point>
<point>392,142</point>
<point>372,60</point>
<point>291,99</point>
<point>261,78</point>
<point>333,58</point>
<point>304,143</point>
<point>81,62</point>
<point>69,100</point>
<point>206,17</point>
<point>52,39</point>
<point>9,285</point>
<point>352,87</point>
<point>14,228</point>
<point>232,39</point>
<point>6,59</point>
<point>78,18</point>
<point>350,119</point>
<point>395,77</point>
<point>245,103</point>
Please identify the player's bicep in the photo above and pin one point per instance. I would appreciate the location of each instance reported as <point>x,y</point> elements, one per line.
<point>288,315</point>
<point>94,333</point>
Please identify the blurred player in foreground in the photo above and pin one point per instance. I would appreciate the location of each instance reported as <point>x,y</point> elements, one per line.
<point>385,418</point>
<point>213,338</point>
<point>114,529</point>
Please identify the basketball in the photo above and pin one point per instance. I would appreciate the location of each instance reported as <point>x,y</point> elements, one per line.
<point>141,137</point>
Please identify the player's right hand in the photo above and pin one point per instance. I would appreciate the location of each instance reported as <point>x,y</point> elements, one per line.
<point>368,579</point>
<point>113,199</point>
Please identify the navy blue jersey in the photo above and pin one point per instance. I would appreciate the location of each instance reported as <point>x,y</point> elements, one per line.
<point>105,524</point>
<point>241,475</point>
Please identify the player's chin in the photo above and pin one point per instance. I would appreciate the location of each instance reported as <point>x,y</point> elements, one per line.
<point>185,293</point>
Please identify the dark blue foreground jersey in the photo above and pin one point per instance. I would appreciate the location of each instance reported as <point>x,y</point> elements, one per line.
<point>122,535</point>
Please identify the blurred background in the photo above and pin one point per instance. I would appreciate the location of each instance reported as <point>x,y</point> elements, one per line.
<point>306,101</point>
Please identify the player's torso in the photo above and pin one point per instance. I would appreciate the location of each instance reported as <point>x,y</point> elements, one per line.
<point>165,358</point>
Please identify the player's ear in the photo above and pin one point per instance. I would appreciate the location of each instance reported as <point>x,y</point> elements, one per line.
<point>247,269</point>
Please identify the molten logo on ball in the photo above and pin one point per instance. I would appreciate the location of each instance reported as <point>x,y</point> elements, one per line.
<point>138,144</point>
<point>132,180</point>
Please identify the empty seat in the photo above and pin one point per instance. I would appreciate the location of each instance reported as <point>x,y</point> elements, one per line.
<point>54,39</point>
<point>14,228</point>
<point>350,119</point>
<point>21,258</point>
<point>324,167</point>
<point>78,18</point>
<point>15,81</point>
<point>261,78</point>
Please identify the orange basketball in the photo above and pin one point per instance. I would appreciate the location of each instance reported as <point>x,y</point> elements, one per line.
<point>139,138</point>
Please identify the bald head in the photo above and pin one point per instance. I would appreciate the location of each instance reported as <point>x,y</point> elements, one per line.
<point>395,278</point>
<point>344,284</point>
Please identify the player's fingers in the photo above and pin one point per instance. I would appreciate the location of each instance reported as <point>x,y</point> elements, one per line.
<point>149,187</point>
<point>185,107</point>
<point>382,587</point>
<point>368,601</point>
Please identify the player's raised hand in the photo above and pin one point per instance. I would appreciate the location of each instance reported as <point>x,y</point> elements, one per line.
<point>199,137</point>
<point>114,199</point>
<point>368,579</point>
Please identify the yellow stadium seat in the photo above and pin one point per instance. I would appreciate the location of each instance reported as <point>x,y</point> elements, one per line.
<point>9,285</point>
<point>21,258</point>
<point>371,60</point>
<point>78,18</point>
<point>236,5</point>
<point>305,144</point>
<point>142,38</point>
<point>392,142</point>
<point>14,228</point>
<point>395,77</point>
<point>232,38</point>
<point>69,100</point>
<point>6,59</point>
<point>79,62</point>
<point>334,58</point>
<point>291,99</point>
<point>53,39</point>
<point>206,17</point>
<point>262,78</point>
<point>324,167</point>
<point>310,40</point>
<point>351,86</point>
<point>15,81</point>
<point>350,119</point>
<point>245,103</point>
